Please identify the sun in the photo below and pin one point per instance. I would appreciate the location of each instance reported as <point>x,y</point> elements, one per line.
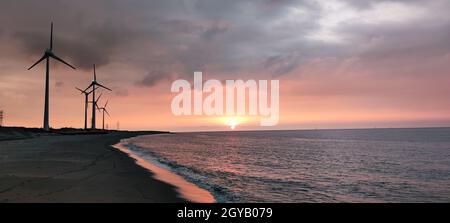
<point>233,122</point>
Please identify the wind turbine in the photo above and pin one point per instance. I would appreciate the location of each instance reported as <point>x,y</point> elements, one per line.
<point>103,109</point>
<point>94,103</point>
<point>94,84</point>
<point>86,101</point>
<point>47,54</point>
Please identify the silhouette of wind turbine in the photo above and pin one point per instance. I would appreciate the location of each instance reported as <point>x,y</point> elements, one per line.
<point>94,84</point>
<point>86,102</point>
<point>47,54</point>
<point>94,103</point>
<point>103,109</point>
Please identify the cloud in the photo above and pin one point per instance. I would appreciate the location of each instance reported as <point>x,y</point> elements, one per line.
<point>222,37</point>
<point>121,92</point>
<point>94,44</point>
<point>215,29</point>
<point>282,64</point>
<point>180,36</point>
<point>152,78</point>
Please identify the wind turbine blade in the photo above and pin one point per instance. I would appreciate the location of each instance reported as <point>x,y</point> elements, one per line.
<point>107,112</point>
<point>89,87</point>
<point>106,103</point>
<point>95,75</point>
<point>95,102</point>
<point>95,88</point>
<point>103,86</point>
<point>80,90</point>
<point>62,61</point>
<point>51,36</point>
<point>98,99</point>
<point>42,58</point>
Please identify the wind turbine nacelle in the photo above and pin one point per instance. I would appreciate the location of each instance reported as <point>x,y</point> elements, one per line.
<point>48,52</point>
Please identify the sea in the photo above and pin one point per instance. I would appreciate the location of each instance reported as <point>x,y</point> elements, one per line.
<point>351,165</point>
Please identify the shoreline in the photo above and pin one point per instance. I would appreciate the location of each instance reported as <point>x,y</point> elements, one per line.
<point>186,189</point>
<point>77,168</point>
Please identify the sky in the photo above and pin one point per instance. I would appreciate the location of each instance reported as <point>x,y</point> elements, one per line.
<point>340,63</point>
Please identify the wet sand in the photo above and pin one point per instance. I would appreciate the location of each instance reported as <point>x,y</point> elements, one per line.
<point>186,189</point>
<point>76,168</point>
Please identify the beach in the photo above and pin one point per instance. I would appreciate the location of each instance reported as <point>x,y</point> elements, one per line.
<point>76,168</point>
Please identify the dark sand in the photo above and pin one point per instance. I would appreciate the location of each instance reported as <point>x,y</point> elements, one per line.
<point>76,168</point>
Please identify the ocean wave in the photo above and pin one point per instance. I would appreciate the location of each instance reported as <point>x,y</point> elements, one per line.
<point>220,193</point>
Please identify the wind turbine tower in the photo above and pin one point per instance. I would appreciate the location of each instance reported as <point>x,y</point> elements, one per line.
<point>48,53</point>
<point>103,109</point>
<point>86,102</point>
<point>94,84</point>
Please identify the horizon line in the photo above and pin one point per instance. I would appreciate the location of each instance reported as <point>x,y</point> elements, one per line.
<point>246,130</point>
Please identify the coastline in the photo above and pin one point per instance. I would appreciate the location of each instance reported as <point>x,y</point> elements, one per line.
<point>77,168</point>
<point>186,189</point>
